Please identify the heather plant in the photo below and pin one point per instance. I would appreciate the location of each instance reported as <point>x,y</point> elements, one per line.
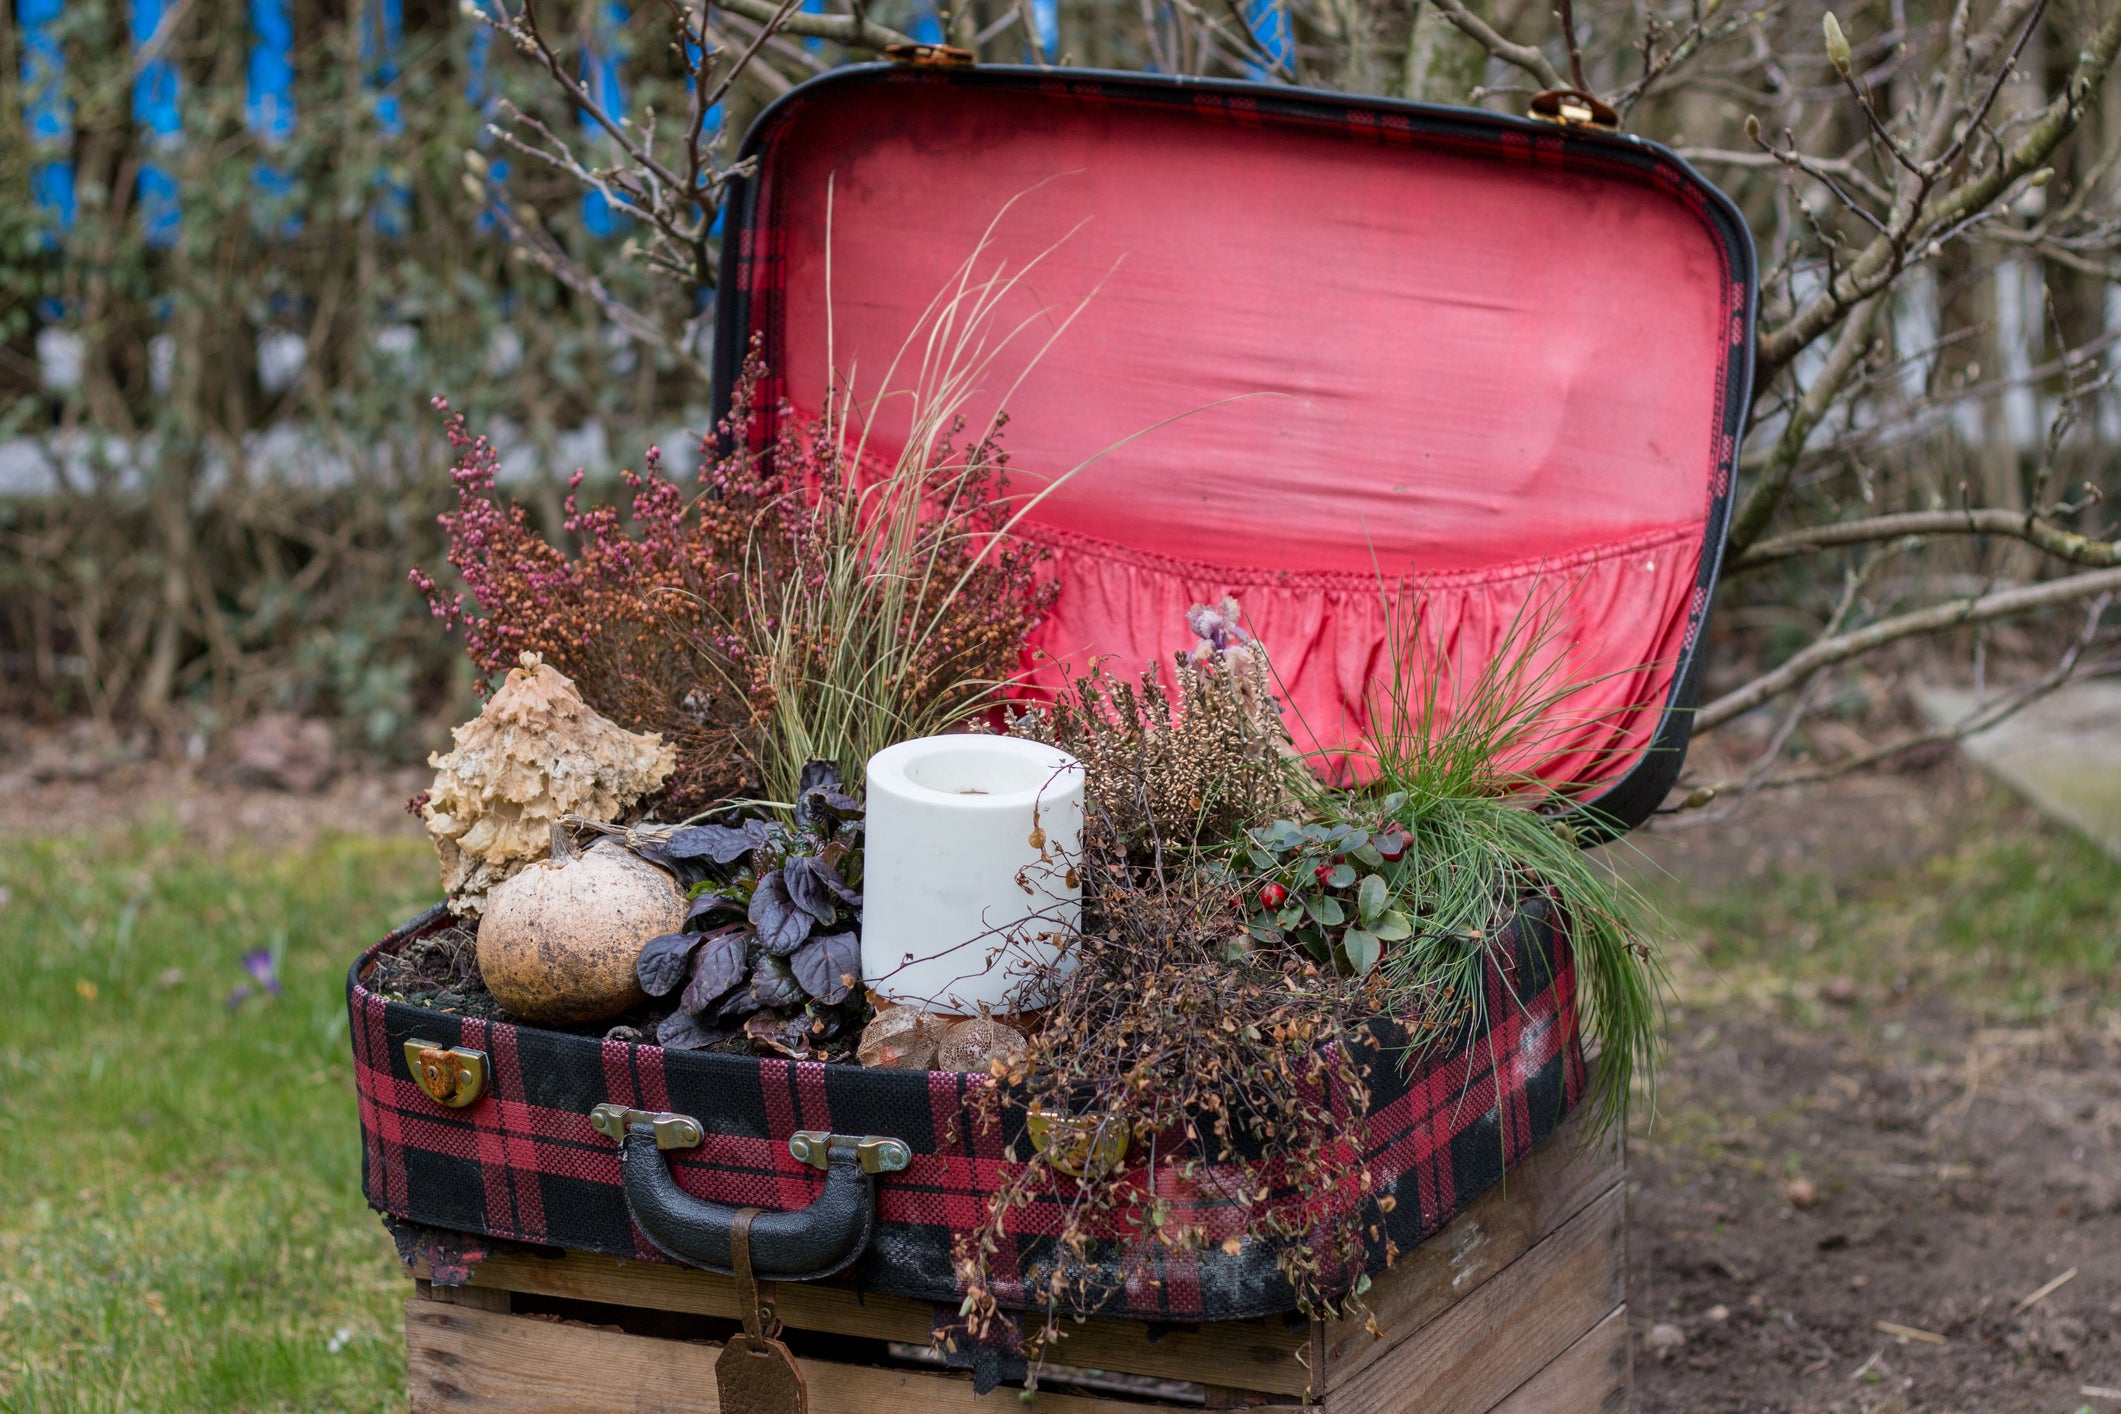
<point>1182,766</point>
<point>738,617</point>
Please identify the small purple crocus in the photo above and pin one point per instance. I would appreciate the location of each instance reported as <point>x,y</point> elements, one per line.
<point>265,977</point>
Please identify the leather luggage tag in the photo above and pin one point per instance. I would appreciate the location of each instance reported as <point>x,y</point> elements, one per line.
<point>755,1373</point>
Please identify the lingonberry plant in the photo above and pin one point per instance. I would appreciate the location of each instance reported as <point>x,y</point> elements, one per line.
<point>1340,892</point>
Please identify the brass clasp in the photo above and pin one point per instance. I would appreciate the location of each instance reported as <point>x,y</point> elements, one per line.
<point>452,1076</point>
<point>671,1131</point>
<point>1574,108</point>
<point>877,1153</point>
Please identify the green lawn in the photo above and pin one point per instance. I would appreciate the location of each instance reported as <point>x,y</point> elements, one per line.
<point>181,1225</point>
<point>2018,922</point>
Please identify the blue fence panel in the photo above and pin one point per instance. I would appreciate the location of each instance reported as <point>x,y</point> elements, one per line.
<point>155,95</point>
<point>1269,22</point>
<point>382,50</point>
<point>601,80</point>
<point>483,93</point>
<point>47,112</point>
<point>269,111</point>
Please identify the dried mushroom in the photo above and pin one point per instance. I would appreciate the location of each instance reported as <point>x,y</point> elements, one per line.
<point>536,752</point>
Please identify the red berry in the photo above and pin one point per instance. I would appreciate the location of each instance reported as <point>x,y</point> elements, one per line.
<point>1324,872</point>
<point>1272,895</point>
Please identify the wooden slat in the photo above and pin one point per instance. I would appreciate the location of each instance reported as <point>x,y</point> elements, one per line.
<point>1255,1355</point>
<point>1556,1182</point>
<point>486,1298</point>
<point>1508,1329</point>
<point>1593,1376</point>
<point>463,1359</point>
<point>1552,1185</point>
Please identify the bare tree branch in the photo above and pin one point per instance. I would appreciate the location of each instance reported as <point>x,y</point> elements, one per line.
<point>2021,525</point>
<point>1935,619</point>
<point>1883,259</point>
<point>1527,57</point>
<point>856,31</point>
<point>1850,345</point>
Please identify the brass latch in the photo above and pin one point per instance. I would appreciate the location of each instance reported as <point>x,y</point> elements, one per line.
<point>671,1131</point>
<point>1574,108</point>
<point>930,56</point>
<point>877,1153</point>
<point>452,1076</point>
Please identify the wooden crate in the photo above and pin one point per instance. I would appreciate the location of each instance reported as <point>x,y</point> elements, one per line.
<point>1517,1307</point>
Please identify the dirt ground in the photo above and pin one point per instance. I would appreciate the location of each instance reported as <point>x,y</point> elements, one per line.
<point>1832,1164</point>
<point>1836,1161</point>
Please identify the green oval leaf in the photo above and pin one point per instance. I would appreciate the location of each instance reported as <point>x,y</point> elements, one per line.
<point>1392,926</point>
<point>1371,897</point>
<point>1363,949</point>
<point>1327,910</point>
<point>1340,876</point>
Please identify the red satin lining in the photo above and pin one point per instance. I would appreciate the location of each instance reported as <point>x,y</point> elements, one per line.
<point>1498,377</point>
<point>1617,631</point>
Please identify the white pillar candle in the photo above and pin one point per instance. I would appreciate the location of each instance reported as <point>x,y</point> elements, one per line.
<point>970,882</point>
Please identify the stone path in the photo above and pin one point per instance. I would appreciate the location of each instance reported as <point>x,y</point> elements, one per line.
<point>2063,753</point>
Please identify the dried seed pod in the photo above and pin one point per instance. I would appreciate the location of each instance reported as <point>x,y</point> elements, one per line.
<point>536,752</point>
<point>902,1038</point>
<point>973,1044</point>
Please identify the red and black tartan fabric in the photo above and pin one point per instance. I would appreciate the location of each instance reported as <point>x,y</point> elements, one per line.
<point>522,1163</point>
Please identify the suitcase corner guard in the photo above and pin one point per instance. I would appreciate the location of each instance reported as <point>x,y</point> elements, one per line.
<point>804,1244</point>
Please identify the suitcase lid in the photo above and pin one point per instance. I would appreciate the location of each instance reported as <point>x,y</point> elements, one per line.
<point>1504,361</point>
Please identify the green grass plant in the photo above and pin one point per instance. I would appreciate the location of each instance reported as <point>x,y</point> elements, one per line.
<point>181,1224</point>
<point>1449,755</point>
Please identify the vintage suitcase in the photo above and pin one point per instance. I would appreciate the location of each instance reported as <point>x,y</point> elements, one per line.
<point>1507,358</point>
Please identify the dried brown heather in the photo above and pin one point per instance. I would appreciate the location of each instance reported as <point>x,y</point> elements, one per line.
<point>1240,1068</point>
<point>654,615</point>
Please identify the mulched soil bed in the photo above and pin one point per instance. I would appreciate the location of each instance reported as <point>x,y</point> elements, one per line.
<point>1896,1166</point>
<point>441,972</point>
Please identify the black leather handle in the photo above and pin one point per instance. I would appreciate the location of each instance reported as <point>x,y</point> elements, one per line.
<point>802,1245</point>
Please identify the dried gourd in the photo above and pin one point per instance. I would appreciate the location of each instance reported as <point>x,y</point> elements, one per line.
<point>559,940</point>
<point>536,752</point>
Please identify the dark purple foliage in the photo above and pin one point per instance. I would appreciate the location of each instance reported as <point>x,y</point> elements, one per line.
<point>829,965</point>
<point>774,925</point>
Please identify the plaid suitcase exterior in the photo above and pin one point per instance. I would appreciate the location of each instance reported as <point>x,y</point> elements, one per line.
<point>522,1163</point>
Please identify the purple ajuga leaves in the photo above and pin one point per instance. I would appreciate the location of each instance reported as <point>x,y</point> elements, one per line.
<point>829,965</point>
<point>773,928</point>
<point>723,844</point>
<point>718,967</point>
<point>780,925</point>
